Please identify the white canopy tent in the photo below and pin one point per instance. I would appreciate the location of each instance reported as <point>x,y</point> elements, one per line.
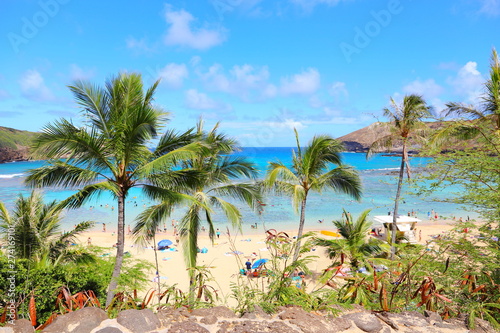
<point>400,219</point>
<point>405,224</point>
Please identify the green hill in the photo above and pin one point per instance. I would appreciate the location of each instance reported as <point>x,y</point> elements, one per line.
<point>14,144</point>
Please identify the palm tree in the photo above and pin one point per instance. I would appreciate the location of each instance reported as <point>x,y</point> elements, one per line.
<point>405,125</point>
<point>312,170</point>
<point>110,152</point>
<point>218,170</point>
<point>355,245</point>
<point>35,229</point>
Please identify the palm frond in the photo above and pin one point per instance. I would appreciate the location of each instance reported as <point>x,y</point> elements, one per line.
<point>247,192</point>
<point>231,211</point>
<point>149,220</point>
<point>87,193</point>
<point>321,151</point>
<point>463,110</point>
<point>230,167</point>
<point>60,173</point>
<point>278,171</point>
<point>159,193</point>
<point>189,227</point>
<point>172,158</point>
<point>382,144</point>
<point>343,180</point>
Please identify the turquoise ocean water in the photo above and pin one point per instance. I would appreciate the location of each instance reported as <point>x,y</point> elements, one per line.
<point>378,175</point>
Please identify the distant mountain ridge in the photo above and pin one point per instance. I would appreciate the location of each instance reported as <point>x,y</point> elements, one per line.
<point>360,140</point>
<point>14,144</point>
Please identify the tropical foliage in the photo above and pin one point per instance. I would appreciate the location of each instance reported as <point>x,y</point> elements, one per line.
<point>355,246</point>
<point>458,274</point>
<point>110,152</point>
<point>475,171</point>
<point>44,283</point>
<point>33,231</point>
<point>405,126</point>
<point>314,168</point>
<point>217,170</point>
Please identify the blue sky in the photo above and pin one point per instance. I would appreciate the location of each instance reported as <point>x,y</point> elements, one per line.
<point>260,67</point>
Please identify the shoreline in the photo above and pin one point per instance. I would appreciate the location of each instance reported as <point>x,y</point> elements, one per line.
<point>221,258</point>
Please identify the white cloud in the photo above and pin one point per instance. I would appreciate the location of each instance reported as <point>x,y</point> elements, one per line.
<point>269,91</point>
<point>248,76</point>
<point>490,7</point>
<point>201,101</point>
<point>33,86</point>
<point>244,81</point>
<point>468,82</point>
<point>139,45</point>
<point>78,73</point>
<point>215,79</point>
<point>4,94</point>
<point>307,82</point>
<point>173,74</point>
<point>331,112</point>
<point>286,124</point>
<point>274,125</point>
<point>338,89</point>
<point>181,32</point>
<point>428,89</point>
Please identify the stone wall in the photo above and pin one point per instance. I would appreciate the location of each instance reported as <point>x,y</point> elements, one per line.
<point>223,320</point>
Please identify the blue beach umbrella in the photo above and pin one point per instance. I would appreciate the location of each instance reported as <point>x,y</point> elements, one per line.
<point>164,243</point>
<point>259,263</point>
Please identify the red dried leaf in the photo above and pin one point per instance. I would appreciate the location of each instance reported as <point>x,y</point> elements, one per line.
<point>3,317</point>
<point>383,299</point>
<point>446,299</point>
<point>48,322</point>
<point>146,302</point>
<point>32,310</point>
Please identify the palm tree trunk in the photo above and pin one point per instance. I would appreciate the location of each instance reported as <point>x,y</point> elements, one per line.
<point>119,249</point>
<point>301,228</point>
<point>396,202</point>
<point>157,267</point>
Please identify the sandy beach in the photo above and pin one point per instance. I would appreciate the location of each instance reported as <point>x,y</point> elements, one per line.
<point>221,256</point>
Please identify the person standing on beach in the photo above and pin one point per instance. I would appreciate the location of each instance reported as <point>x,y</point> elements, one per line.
<point>104,227</point>
<point>89,241</point>
<point>248,264</point>
<point>218,233</point>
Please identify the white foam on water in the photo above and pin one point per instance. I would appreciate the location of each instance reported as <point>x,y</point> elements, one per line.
<point>12,175</point>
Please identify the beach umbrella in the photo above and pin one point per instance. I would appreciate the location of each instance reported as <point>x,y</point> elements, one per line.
<point>259,263</point>
<point>164,243</point>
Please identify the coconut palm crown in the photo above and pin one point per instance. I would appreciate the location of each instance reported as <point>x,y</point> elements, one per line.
<point>405,125</point>
<point>110,151</point>
<point>34,227</point>
<point>355,245</point>
<point>218,170</point>
<point>314,168</point>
